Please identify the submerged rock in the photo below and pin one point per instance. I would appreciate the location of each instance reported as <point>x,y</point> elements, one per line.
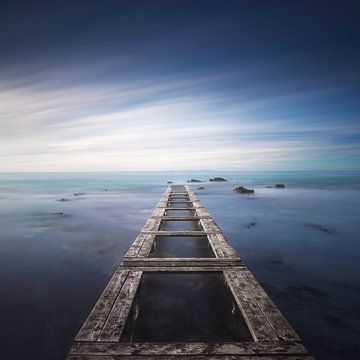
<point>268,187</point>
<point>279,186</point>
<point>169,182</point>
<point>250,225</point>
<point>243,190</point>
<point>79,193</point>
<point>63,199</point>
<point>201,188</point>
<point>59,213</point>
<point>322,228</point>
<point>276,262</point>
<point>217,179</point>
<point>193,181</point>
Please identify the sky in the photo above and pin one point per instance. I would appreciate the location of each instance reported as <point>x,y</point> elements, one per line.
<point>179,85</point>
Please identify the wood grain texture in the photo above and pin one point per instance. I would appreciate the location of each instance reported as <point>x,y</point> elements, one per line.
<point>116,320</point>
<point>186,349</point>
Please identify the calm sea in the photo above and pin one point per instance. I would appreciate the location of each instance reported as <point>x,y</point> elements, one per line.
<point>63,234</point>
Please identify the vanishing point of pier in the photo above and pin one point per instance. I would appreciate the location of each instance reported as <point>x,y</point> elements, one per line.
<point>183,293</point>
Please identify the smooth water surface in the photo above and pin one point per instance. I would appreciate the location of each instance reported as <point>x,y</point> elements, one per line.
<point>62,235</point>
<point>185,307</point>
<point>181,246</point>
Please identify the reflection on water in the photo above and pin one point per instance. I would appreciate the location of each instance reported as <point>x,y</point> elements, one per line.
<point>179,225</point>
<point>180,213</point>
<point>193,307</point>
<point>181,246</point>
<point>178,204</point>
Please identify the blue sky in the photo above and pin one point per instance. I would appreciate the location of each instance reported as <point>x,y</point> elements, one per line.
<point>172,85</point>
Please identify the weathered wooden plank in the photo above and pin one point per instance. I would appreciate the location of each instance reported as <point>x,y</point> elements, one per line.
<point>115,323</point>
<point>158,212</point>
<point>183,268</point>
<point>192,348</point>
<point>191,357</point>
<point>174,262</point>
<point>179,208</point>
<point>146,246</point>
<point>221,246</point>
<point>210,226</point>
<point>257,323</point>
<point>202,212</point>
<point>282,328</point>
<point>161,203</point>
<point>176,233</point>
<point>178,218</point>
<point>94,323</point>
<point>151,225</point>
<point>136,246</point>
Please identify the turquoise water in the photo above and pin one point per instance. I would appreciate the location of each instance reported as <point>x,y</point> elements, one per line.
<point>58,250</point>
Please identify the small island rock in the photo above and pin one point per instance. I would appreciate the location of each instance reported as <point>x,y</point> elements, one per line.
<point>279,186</point>
<point>193,181</point>
<point>243,190</point>
<point>217,179</point>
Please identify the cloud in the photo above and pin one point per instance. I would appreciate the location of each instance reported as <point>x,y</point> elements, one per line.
<point>166,122</point>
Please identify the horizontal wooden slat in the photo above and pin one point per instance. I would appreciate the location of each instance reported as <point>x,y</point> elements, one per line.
<point>191,357</point>
<point>176,233</point>
<point>169,262</point>
<point>178,218</point>
<point>182,268</point>
<point>186,349</point>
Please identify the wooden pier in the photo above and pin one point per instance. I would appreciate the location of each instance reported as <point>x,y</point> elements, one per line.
<point>106,335</point>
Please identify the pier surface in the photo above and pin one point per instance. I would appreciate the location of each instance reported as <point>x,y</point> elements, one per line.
<point>182,292</point>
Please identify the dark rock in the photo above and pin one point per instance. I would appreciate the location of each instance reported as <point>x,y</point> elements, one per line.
<point>242,190</point>
<point>276,262</point>
<point>217,179</point>
<point>322,228</point>
<point>169,182</point>
<point>60,213</point>
<point>279,186</point>
<point>194,181</point>
<point>250,225</point>
<point>63,199</point>
<point>306,290</point>
<point>201,188</point>
<point>79,194</point>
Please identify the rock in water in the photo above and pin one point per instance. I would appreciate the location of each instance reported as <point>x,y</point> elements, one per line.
<point>243,190</point>
<point>217,179</point>
<point>169,182</point>
<point>79,194</point>
<point>279,186</point>
<point>201,188</point>
<point>193,181</point>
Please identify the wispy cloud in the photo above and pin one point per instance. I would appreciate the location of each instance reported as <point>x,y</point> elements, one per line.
<point>202,120</point>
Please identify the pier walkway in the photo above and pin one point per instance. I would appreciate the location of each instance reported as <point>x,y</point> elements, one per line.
<point>183,293</point>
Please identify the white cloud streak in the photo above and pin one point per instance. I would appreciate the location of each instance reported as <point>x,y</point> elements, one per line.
<point>168,124</point>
